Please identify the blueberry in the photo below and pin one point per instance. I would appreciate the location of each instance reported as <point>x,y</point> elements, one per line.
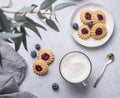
<point>33,53</point>
<point>90,24</point>
<point>37,46</point>
<point>75,26</point>
<point>55,86</point>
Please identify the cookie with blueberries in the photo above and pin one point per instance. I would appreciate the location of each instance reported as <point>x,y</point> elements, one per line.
<point>87,16</point>
<point>99,17</point>
<point>84,32</point>
<point>40,67</point>
<point>98,31</point>
<point>46,55</point>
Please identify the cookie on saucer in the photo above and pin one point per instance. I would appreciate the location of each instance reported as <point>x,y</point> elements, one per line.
<point>87,16</point>
<point>98,31</point>
<point>99,17</point>
<point>84,32</point>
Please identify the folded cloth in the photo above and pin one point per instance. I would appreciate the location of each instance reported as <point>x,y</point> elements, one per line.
<point>12,73</point>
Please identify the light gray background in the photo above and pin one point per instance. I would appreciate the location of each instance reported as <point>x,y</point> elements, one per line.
<point>61,43</point>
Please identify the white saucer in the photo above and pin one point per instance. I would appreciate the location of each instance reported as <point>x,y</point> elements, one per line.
<point>76,19</point>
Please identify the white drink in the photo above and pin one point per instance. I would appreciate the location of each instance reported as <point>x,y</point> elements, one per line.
<point>75,67</point>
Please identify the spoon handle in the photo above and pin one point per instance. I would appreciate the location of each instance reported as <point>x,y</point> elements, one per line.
<point>100,76</point>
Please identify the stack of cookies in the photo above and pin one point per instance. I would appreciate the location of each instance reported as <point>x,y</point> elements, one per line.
<point>45,57</point>
<point>93,24</point>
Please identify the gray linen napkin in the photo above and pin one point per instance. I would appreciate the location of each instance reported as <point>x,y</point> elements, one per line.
<point>12,73</point>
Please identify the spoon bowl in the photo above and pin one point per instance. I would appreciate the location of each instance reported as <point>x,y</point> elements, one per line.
<point>109,58</point>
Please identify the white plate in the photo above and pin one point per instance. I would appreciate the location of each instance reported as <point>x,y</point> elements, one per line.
<point>76,19</point>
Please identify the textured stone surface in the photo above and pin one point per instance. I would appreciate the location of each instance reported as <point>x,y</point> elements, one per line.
<point>61,43</point>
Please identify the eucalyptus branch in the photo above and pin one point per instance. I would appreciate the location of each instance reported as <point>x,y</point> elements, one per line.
<point>22,12</point>
<point>20,21</point>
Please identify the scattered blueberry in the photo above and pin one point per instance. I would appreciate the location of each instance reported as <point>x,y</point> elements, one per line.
<point>90,24</point>
<point>75,26</point>
<point>33,53</point>
<point>37,46</point>
<point>55,86</point>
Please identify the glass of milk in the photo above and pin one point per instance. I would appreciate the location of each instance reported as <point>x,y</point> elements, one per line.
<point>75,67</point>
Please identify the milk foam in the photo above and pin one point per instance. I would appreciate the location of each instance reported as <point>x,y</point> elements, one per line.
<point>75,67</point>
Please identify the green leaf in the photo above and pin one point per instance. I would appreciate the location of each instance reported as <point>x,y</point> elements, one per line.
<point>46,4</point>
<point>63,5</point>
<point>9,35</point>
<point>17,41</point>
<point>19,17</point>
<point>4,22</point>
<point>49,8</point>
<point>10,4</point>
<point>56,20</point>
<point>8,40</point>
<point>52,24</point>
<point>40,15</point>
<point>34,5</point>
<point>22,29</point>
<point>33,28</point>
<point>34,23</point>
<point>16,24</point>
<point>1,29</point>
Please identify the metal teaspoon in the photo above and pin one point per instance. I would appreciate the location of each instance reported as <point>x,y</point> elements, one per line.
<point>109,59</point>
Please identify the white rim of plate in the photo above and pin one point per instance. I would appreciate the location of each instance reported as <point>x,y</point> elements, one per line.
<point>72,17</point>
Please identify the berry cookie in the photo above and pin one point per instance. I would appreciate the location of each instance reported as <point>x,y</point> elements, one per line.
<point>46,55</point>
<point>40,67</point>
<point>84,32</point>
<point>87,16</point>
<point>98,31</point>
<point>99,17</point>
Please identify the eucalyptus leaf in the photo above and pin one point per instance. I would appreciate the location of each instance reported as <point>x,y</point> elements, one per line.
<point>10,4</point>
<point>34,23</point>
<point>34,5</point>
<point>9,35</point>
<point>63,5</point>
<point>1,29</point>
<point>49,8</point>
<point>4,22</point>
<point>52,24</point>
<point>56,20</point>
<point>19,17</point>
<point>16,24</point>
<point>40,15</point>
<point>33,28</point>
<point>46,4</point>
<point>8,40</point>
<point>22,29</point>
<point>17,41</point>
